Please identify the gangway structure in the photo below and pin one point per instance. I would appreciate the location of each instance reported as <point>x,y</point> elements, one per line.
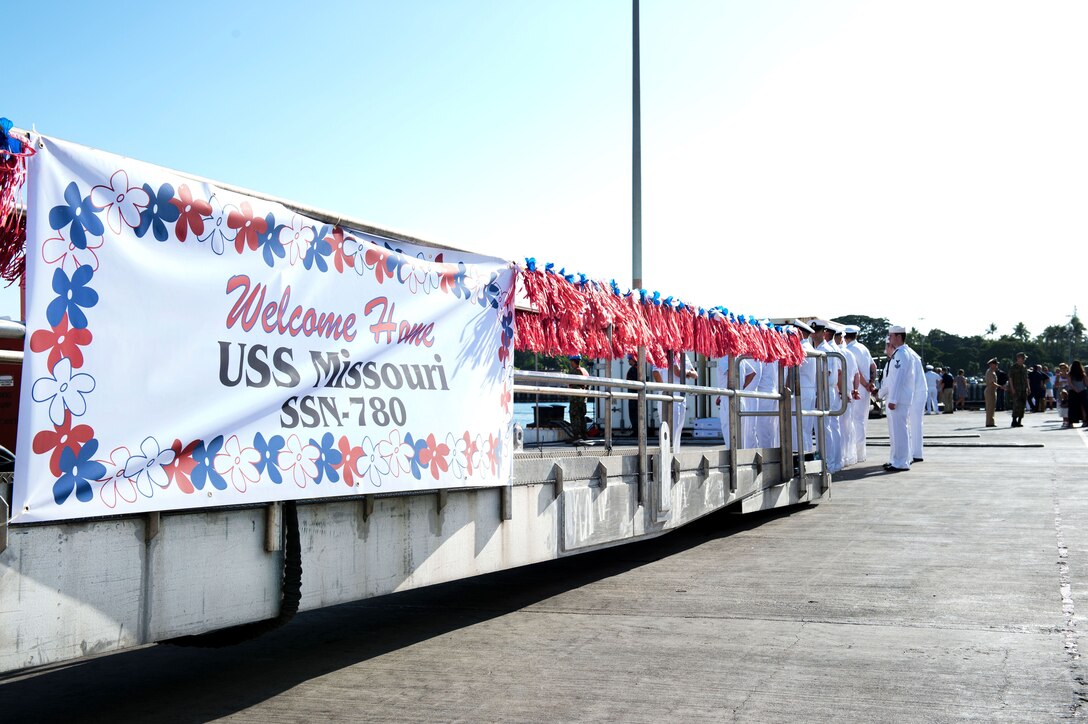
<point>84,585</point>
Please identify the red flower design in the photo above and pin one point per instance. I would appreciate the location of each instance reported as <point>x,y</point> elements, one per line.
<point>180,469</point>
<point>348,457</point>
<point>378,258</point>
<point>470,451</point>
<point>60,437</point>
<point>192,213</point>
<point>435,456</point>
<point>493,453</point>
<point>61,342</point>
<point>505,397</point>
<point>339,258</point>
<point>249,228</point>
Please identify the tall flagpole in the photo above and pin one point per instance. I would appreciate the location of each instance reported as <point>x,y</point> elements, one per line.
<point>636,253</point>
<point>636,160</point>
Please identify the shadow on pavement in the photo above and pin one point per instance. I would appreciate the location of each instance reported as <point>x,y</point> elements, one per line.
<point>170,684</point>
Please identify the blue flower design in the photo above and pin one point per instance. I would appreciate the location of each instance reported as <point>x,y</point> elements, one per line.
<point>158,213</point>
<point>269,451</point>
<point>204,471</point>
<point>269,242</point>
<point>329,458</point>
<point>80,213</point>
<point>418,446</point>
<point>489,296</point>
<point>315,255</point>
<point>72,295</point>
<point>507,327</point>
<point>77,470</point>
<point>460,289</point>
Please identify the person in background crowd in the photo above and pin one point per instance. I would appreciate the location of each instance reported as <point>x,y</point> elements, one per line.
<point>932,382</point>
<point>1002,384</point>
<point>1077,395</point>
<point>1048,388</point>
<point>1018,389</point>
<point>897,390</point>
<point>990,392</point>
<point>1061,381</point>
<point>961,391</point>
<point>1036,389</point>
<point>682,370</point>
<point>863,388</point>
<point>578,404</point>
<point>948,383</point>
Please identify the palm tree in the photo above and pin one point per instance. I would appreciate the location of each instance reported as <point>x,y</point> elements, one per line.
<point>991,330</point>
<point>1020,332</point>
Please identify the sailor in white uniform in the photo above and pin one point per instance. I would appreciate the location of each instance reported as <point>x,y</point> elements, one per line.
<point>806,374</point>
<point>897,391</point>
<point>832,429</point>
<point>767,426</point>
<point>721,379</point>
<point>748,377</point>
<point>863,387</point>
<point>849,434</point>
<point>931,378</point>
<point>681,372</point>
<point>920,389</point>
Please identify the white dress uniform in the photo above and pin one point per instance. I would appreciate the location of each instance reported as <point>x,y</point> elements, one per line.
<point>920,388</point>
<point>832,429</point>
<point>897,389</point>
<point>749,368</point>
<point>861,406</point>
<point>767,427</point>
<point>721,379</point>
<point>849,434</point>
<point>679,409</point>
<point>932,378</point>
<point>807,381</point>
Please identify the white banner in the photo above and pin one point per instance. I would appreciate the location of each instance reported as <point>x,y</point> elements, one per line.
<point>188,346</point>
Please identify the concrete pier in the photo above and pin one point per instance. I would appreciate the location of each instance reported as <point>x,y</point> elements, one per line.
<point>952,592</point>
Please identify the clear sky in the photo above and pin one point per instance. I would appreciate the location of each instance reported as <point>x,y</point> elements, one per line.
<point>924,161</point>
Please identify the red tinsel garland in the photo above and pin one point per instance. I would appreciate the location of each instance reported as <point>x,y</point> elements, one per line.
<point>569,318</point>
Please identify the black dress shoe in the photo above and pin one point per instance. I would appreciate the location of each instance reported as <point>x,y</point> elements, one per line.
<point>892,469</point>
<point>918,460</point>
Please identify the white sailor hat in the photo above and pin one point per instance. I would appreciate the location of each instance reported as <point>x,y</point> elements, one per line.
<point>801,325</point>
<point>834,327</point>
<point>929,367</point>
<point>818,324</point>
<point>897,329</point>
<point>851,329</point>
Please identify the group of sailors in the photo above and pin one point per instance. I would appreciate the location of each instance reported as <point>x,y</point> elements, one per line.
<point>849,366</point>
<point>845,435</point>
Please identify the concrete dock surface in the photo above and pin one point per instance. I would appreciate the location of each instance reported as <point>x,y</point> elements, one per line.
<point>952,592</point>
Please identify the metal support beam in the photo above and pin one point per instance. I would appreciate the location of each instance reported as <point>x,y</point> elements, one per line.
<point>273,527</point>
<point>506,502</point>
<point>152,525</point>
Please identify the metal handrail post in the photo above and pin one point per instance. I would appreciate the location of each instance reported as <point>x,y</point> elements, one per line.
<point>643,458</point>
<point>734,423</point>
<point>608,406</point>
<point>785,440</point>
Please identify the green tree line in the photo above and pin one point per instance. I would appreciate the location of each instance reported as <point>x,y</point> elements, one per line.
<point>1057,343</point>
